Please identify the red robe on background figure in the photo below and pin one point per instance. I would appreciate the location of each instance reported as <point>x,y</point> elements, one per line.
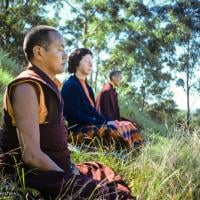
<point>107,104</point>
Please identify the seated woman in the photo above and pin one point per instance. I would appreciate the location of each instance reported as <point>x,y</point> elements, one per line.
<point>79,107</point>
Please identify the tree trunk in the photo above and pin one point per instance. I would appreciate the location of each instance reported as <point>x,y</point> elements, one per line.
<point>97,71</point>
<point>7,4</point>
<point>85,31</point>
<point>188,103</point>
<point>188,86</point>
<point>143,92</point>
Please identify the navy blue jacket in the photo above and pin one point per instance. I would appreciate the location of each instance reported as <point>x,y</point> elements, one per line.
<point>77,108</point>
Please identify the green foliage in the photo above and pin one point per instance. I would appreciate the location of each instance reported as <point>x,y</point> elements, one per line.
<point>136,42</point>
<point>8,67</point>
<point>165,111</point>
<point>16,17</point>
<point>5,78</point>
<point>184,17</point>
<point>196,119</point>
<point>142,40</point>
<point>131,111</point>
<point>8,64</point>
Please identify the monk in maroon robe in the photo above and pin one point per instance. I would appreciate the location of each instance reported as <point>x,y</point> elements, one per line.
<point>107,101</point>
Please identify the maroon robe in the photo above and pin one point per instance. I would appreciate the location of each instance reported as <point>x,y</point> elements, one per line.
<point>107,102</point>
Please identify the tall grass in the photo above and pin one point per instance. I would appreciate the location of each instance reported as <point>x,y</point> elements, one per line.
<point>167,168</point>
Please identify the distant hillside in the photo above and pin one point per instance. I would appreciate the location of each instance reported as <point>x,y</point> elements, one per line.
<point>130,110</point>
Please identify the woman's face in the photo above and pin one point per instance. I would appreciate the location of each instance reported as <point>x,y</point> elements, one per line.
<point>85,65</point>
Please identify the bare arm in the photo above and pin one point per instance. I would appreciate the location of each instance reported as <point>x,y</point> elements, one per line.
<point>25,106</point>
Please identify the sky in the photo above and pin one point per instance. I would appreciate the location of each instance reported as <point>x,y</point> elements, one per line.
<point>180,99</point>
<point>179,93</point>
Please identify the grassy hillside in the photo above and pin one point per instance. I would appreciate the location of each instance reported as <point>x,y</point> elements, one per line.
<point>130,110</point>
<point>168,168</point>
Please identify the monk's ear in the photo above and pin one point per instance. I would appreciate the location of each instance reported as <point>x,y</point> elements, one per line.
<point>38,52</point>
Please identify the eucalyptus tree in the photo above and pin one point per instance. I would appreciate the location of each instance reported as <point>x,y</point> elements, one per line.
<point>184,18</point>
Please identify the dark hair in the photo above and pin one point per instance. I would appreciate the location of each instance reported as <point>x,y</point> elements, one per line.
<point>114,73</point>
<point>38,35</point>
<point>75,58</point>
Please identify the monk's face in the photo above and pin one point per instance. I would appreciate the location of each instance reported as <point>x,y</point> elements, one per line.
<point>53,58</point>
<point>117,79</point>
<point>85,65</point>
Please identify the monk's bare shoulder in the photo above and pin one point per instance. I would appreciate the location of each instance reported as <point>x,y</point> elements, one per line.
<point>24,92</point>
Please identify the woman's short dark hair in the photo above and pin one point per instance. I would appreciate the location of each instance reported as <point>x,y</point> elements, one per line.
<point>38,35</point>
<point>75,58</point>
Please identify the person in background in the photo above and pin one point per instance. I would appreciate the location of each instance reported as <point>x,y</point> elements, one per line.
<point>85,123</point>
<point>107,100</point>
<point>34,135</point>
